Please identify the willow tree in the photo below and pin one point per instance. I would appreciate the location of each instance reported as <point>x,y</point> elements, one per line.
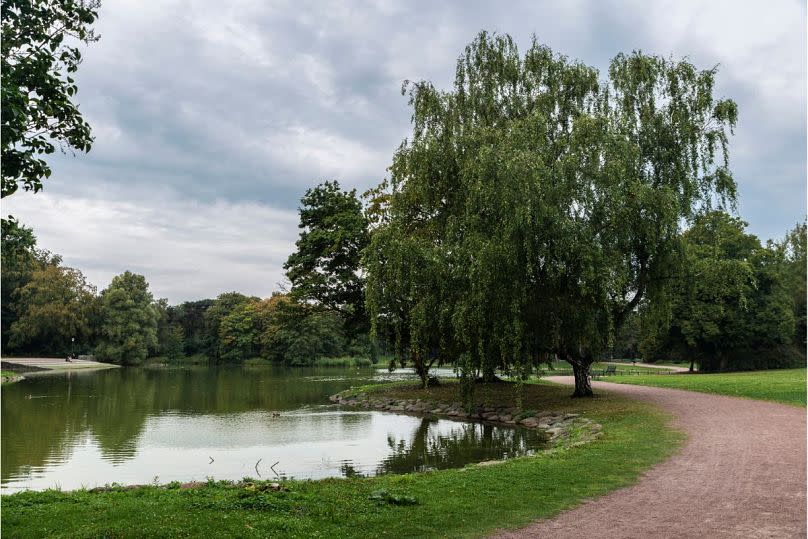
<point>535,205</point>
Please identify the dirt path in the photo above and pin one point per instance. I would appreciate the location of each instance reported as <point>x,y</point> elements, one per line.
<point>44,364</point>
<point>741,473</point>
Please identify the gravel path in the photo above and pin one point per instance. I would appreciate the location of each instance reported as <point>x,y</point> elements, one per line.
<point>741,473</point>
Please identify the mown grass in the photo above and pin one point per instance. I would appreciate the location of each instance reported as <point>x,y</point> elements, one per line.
<point>467,502</point>
<point>783,385</point>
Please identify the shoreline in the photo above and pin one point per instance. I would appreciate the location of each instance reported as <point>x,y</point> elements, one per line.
<point>563,429</point>
<point>35,366</point>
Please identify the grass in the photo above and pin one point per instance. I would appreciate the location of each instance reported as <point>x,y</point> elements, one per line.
<point>467,502</point>
<point>562,367</point>
<point>8,377</point>
<point>783,385</point>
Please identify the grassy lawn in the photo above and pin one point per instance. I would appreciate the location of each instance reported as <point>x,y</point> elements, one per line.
<point>562,368</point>
<point>783,385</point>
<point>468,502</point>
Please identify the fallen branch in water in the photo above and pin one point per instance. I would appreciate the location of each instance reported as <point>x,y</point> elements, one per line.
<point>273,470</point>
<point>256,467</point>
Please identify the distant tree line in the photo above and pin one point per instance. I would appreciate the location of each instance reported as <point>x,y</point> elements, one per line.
<point>47,306</point>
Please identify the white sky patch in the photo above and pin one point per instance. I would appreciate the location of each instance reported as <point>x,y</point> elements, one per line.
<point>186,249</point>
<point>328,155</point>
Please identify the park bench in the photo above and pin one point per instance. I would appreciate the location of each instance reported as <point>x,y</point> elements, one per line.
<point>610,369</point>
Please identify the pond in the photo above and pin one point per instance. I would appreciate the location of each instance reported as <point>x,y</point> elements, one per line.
<point>135,426</point>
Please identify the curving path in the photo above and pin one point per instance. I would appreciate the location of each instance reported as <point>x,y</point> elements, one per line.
<point>741,473</point>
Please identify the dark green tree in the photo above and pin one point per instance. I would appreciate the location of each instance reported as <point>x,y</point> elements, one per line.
<point>221,307</point>
<point>325,268</point>
<point>729,308</point>
<point>39,59</point>
<point>791,251</point>
<point>129,320</point>
<point>170,333</point>
<point>54,307</point>
<point>20,259</point>
<point>191,317</point>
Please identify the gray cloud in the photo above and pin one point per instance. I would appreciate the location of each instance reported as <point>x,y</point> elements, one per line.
<point>212,118</point>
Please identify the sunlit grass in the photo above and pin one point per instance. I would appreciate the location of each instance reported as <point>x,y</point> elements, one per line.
<point>783,385</point>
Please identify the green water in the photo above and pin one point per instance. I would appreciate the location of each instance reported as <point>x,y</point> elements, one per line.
<point>134,426</point>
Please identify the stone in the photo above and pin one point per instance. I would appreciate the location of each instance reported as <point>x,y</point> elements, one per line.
<point>530,422</point>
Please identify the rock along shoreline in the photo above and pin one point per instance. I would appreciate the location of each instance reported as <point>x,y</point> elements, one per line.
<point>562,429</point>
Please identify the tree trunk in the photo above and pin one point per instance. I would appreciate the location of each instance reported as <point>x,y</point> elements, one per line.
<point>692,362</point>
<point>583,388</point>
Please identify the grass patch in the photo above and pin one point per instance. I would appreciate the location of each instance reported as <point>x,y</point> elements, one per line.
<point>468,502</point>
<point>564,368</point>
<point>782,385</point>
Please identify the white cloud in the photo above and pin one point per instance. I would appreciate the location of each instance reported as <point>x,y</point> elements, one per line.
<point>237,102</point>
<point>186,249</point>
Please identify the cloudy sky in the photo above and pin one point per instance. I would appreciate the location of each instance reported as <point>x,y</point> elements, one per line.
<point>212,118</point>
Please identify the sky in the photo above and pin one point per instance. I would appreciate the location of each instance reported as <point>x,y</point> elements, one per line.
<point>212,118</point>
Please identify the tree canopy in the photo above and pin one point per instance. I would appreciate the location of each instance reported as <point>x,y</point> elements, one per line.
<point>535,205</point>
<point>730,307</point>
<point>325,268</point>
<point>39,60</point>
<point>128,329</point>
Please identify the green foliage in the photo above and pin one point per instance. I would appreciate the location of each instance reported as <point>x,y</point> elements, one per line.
<point>792,253</point>
<point>55,306</point>
<point>38,65</point>
<point>298,334</point>
<point>191,317</point>
<point>18,264</point>
<point>325,267</point>
<point>535,207</point>
<point>239,332</point>
<point>213,316</point>
<point>128,329</point>
<point>729,307</point>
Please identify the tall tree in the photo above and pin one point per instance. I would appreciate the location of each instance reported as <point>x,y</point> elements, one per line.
<point>325,268</point>
<point>729,308</point>
<point>20,259</point>
<point>792,252</point>
<point>39,60</point>
<point>128,320</point>
<point>55,307</point>
<point>535,206</point>
<point>221,307</point>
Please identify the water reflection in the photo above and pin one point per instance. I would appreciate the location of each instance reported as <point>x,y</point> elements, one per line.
<point>130,425</point>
